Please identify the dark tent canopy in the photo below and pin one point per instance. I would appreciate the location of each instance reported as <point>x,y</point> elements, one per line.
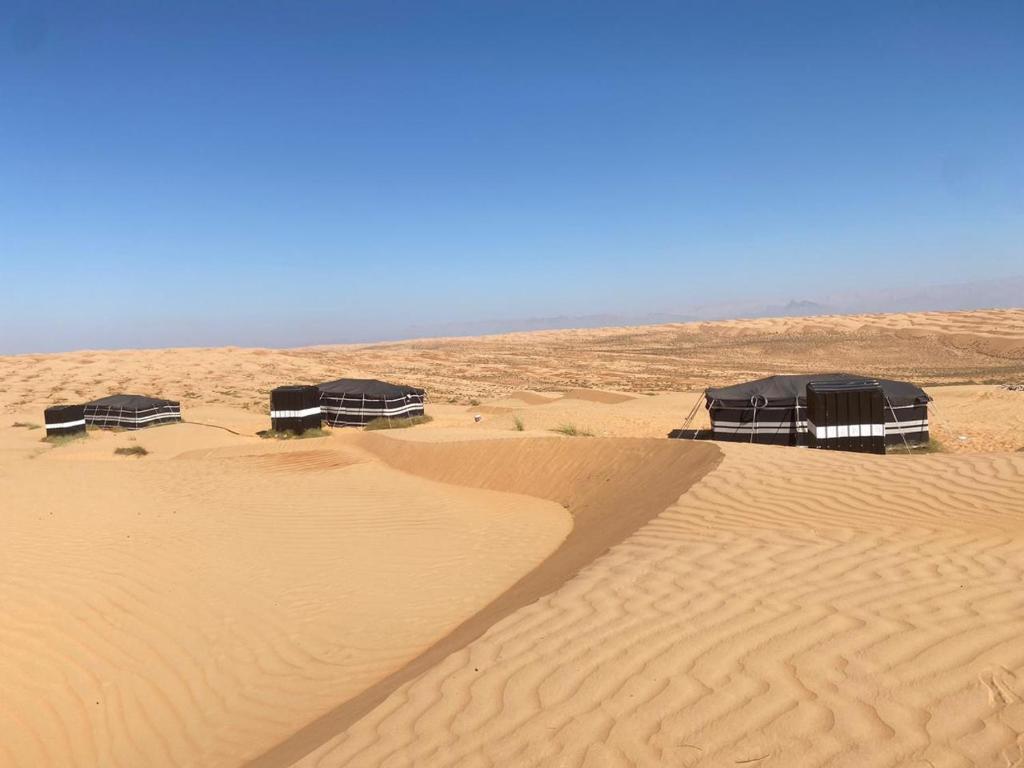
<point>774,409</point>
<point>354,402</point>
<point>783,390</point>
<point>369,388</point>
<point>131,412</point>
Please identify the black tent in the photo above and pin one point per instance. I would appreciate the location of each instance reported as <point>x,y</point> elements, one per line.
<point>295,408</point>
<point>131,412</point>
<point>354,402</point>
<point>64,420</point>
<point>774,409</point>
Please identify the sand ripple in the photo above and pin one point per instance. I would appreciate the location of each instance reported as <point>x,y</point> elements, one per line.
<point>822,611</point>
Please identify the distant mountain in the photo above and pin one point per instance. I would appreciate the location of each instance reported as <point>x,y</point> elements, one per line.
<point>984,294</point>
<point>1008,292</point>
<point>796,308</point>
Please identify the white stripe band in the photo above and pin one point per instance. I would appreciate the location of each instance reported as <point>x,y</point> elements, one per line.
<point>846,430</point>
<point>67,424</point>
<point>295,414</point>
<point>371,411</point>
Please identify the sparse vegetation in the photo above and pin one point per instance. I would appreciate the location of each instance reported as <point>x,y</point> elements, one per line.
<point>519,424</point>
<point>385,423</point>
<point>932,446</point>
<point>571,430</point>
<point>25,425</point>
<point>131,450</point>
<point>59,440</point>
<point>287,434</point>
<point>474,401</point>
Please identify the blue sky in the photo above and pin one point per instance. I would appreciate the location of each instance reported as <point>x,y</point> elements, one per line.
<point>275,173</point>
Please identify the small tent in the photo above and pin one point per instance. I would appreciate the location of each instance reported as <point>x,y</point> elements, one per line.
<point>64,420</point>
<point>354,402</point>
<point>295,408</point>
<point>773,410</point>
<point>131,412</point>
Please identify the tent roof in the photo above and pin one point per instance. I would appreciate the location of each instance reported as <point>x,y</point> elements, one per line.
<point>368,387</point>
<point>787,388</point>
<point>132,402</point>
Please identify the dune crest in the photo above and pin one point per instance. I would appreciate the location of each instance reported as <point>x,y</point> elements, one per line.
<point>611,487</point>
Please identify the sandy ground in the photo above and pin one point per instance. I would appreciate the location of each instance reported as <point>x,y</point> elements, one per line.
<point>469,593</point>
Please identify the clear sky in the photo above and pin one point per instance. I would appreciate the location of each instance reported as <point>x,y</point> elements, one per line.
<point>298,172</point>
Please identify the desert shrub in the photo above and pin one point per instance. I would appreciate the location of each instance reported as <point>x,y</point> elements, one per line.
<point>287,434</point>
<point>571,430</point>
<point>131,450</point>
<point>386,423</point>
<point>59,440</point>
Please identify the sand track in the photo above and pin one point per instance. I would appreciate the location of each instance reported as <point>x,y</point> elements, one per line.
<point>823,611</point>
<point>611,487</point>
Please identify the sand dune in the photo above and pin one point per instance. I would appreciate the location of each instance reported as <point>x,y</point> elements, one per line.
<point>611,487</point>
<point>795,608</point>
<point>198,611</point>
<point>598,396</point>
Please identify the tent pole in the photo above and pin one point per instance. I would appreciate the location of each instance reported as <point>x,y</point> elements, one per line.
<point>899,426</point>
<point>693,412</point>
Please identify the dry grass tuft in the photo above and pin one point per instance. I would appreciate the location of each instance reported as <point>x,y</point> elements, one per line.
<point>571,430</point>
<point>287,434</point>
<point>133,450</point>
<point>385,423</point>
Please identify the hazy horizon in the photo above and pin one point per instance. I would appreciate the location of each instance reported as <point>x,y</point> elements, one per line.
<point>946,298</point>
<point>253,174</point>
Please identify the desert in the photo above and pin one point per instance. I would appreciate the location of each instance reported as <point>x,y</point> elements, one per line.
<point>499,592</point>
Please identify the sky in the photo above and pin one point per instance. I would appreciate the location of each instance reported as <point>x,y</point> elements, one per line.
<point>289,173</point>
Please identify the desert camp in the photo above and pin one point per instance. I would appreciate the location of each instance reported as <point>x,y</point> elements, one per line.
<point>535,384</point>
<point>358,585</point>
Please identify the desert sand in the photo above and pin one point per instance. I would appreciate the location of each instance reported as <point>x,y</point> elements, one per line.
<point>466,593</point>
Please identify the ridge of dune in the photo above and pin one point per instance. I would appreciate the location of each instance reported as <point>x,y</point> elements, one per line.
<point>598,396</point>
<point>827,610</point>
<point>612,487</point>
<point>530,398</point>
